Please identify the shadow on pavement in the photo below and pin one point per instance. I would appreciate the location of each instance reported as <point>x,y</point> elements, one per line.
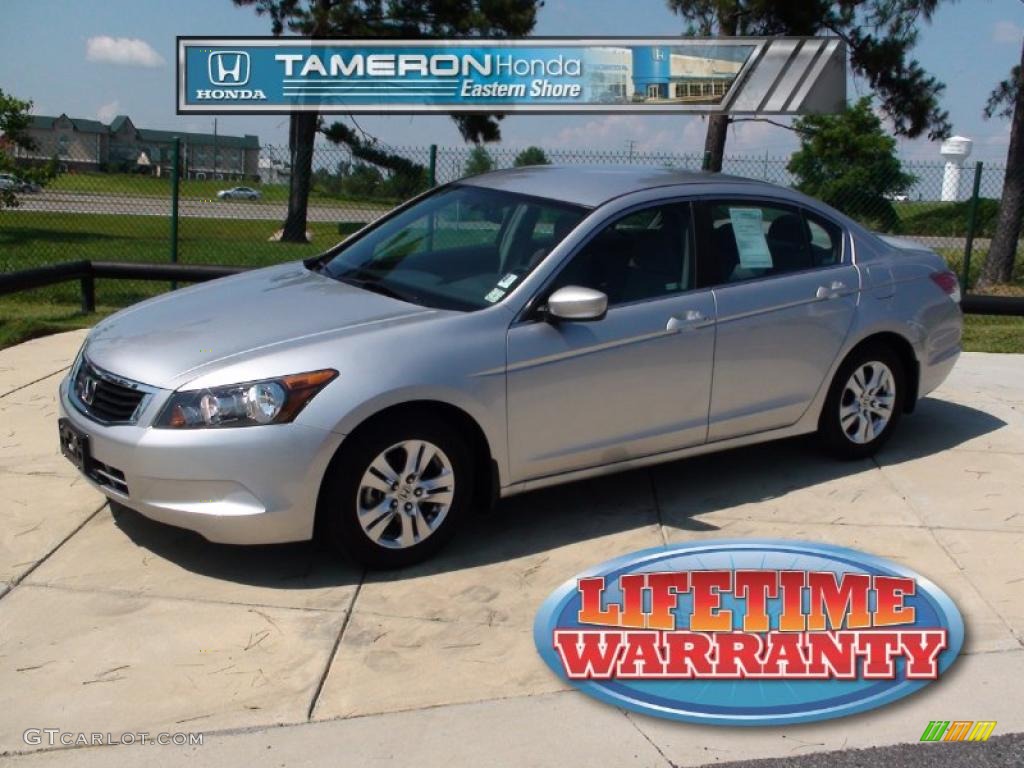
<point>532,523</point>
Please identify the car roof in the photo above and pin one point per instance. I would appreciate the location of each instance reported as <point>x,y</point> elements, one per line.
<point>592,185</point>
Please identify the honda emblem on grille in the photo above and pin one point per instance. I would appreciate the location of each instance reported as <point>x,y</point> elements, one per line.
<point>88,391</point>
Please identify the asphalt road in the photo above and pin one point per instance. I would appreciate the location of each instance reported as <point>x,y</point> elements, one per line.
<point>998,752</point>
<point>189,207</point>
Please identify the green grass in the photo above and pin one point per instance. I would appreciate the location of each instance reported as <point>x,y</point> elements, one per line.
<point>29,239</point>
<point>937,219</point>
<point>24,320</point>
<point>134,185</point>
<point>988,333</point>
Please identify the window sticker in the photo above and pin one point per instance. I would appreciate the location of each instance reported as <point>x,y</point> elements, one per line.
<point>494,295</point>
<point>508,280</point>
<point>748,228</point>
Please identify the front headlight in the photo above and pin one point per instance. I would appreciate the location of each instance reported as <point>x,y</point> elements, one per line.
<point>271,401</point>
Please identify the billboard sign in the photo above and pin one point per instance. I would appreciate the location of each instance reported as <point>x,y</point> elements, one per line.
<point>546,75</point>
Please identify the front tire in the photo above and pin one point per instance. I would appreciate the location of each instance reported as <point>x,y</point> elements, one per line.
<point>397,490</point>
<point>864,403</point>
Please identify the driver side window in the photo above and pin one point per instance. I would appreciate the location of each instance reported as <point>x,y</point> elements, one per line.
<point>646,254</point>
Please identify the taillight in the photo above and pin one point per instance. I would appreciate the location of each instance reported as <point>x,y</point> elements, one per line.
<point>949,284</point>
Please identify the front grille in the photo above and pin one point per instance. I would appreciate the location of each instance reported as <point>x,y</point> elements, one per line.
<point>105,397</point>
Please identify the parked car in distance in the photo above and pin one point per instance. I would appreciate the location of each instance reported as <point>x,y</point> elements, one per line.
<point>10,182</point>
<point>239,193</point>
<point>507,332</point>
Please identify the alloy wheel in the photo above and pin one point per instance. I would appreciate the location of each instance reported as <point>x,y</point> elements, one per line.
<point>405,494</point>
<point>867,403</point>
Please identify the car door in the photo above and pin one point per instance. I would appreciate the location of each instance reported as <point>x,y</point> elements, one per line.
<point>785,293</point>
<point>638,381</point>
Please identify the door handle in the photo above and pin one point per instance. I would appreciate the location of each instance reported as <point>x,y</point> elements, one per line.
<point>833,291</point>
<point>691,318</point>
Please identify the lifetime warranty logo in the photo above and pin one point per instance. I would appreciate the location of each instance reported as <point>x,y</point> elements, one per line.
<point>749,632</point>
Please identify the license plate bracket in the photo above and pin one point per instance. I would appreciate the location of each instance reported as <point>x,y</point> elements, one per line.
<point>74,444</point>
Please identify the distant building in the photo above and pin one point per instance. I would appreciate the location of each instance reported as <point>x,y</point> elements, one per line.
<point>274,170</point>
<point>91,145</point>
<point>662,75</point>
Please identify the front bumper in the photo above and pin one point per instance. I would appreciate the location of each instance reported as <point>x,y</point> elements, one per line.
<point>247,485</point>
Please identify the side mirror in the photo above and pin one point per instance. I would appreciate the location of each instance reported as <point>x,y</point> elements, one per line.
<point>574,302</point>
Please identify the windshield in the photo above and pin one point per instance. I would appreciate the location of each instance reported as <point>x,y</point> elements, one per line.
<point>462,248</point>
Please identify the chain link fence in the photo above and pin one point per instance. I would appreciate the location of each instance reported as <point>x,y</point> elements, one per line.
<point>110,215</point>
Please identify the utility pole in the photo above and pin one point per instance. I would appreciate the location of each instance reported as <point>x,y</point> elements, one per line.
<point>215,147</point>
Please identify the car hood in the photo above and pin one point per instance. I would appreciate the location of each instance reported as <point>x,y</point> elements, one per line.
<point>170,339</point>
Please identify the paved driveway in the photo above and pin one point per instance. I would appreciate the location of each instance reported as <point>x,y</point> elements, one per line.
<point>111,623</point>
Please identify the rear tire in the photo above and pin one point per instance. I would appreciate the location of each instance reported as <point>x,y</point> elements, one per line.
<point>864,403</point>
<point>397,490</point>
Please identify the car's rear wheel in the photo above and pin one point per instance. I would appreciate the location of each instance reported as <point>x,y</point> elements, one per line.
<point>864,403</point>
<point>397,491</point>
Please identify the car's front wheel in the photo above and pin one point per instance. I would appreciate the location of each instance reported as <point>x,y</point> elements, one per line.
<point>397,490</point>
<point>864,403</point>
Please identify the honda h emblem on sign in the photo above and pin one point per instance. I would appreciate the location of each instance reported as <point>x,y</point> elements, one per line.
<point>228,67</point>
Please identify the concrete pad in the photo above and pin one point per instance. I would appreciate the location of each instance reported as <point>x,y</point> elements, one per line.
<point>958,421</point>
<point>787,481</point>
<point>916,548</point>
<point>960,489</point>
<point>388,664</point>
<point>980,687</point>
<point>993,563</point>
<point>503,565</point>
<point>99,662</point>
<point>24,363</point>
<point>124,553</point>
<point>512,732</point>
<point>28,437</point>
<point>38,512</point>
<point>994,375</point>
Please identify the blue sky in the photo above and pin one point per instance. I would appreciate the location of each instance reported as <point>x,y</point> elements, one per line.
<point>45,44</point>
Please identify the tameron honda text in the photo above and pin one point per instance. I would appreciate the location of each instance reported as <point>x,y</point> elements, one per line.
<point>751,632</point>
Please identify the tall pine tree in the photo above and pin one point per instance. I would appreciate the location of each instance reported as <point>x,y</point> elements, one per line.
<point>377,19</point>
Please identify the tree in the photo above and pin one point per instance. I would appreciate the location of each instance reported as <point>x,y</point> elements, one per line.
<point>531,156</point>
<point>879,34</point>
<point>849,161</point>
<point>479,161</point>
<point>1006,101</point>
<point>376,19</point>
<point>14,123</point>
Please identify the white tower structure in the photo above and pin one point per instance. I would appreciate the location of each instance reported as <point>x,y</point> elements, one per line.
<point>955,151</point>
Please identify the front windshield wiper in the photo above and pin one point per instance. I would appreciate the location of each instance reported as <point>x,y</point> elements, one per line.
<point>377,287</point>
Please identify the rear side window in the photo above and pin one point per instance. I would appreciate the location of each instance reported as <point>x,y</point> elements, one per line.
<point>826,241</point>
<point>753,240</point>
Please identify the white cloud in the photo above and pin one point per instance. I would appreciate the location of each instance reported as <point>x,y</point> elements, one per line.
<point>1007,32</point>
<point>109,111</point>
<point>122,50</point>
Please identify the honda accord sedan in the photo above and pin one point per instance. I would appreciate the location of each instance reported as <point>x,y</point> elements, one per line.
<point>503,333</point>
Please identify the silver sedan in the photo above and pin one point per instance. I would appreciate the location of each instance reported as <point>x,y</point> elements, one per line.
<point>507,332</point>
<point>239,193</point>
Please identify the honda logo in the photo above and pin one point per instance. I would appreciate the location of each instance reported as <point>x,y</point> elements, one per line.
<point>228,67</point>
<point>88,389</point>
